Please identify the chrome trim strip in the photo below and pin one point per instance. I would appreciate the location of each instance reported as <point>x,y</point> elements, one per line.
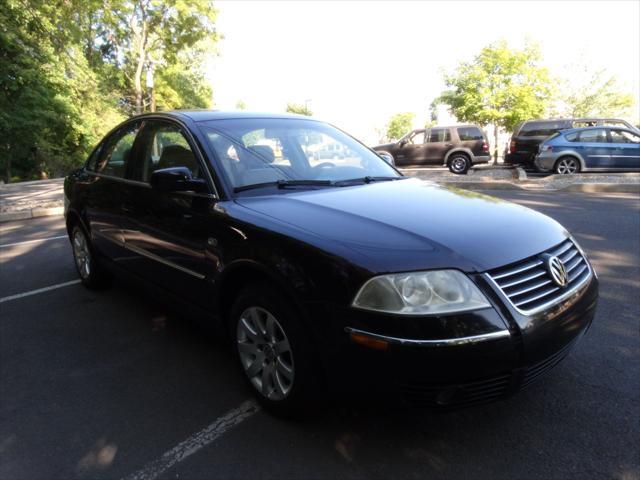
<point>524,268</point>
<point>525,279</point>
<point>137,183</point>
<point>145,253</point>
<point>444,342</point>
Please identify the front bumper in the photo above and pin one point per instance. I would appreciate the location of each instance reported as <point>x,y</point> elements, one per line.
<point>455,360</point>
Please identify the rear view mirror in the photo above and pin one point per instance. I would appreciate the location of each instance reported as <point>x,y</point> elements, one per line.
<point>176,179</point>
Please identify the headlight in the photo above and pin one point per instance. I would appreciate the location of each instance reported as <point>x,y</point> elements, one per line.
<point>421,293</point>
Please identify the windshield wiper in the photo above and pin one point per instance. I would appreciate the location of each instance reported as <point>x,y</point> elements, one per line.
<point>285,184</point>
<point>367,179</point>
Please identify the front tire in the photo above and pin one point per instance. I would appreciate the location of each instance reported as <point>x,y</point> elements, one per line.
<point>91,272</point>
<point>567,166</point>
<point>275,352</point>
<point>459,164</point>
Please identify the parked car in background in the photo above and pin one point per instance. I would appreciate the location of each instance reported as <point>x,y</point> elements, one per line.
<point>528,136</point>
<point>457,147</point>
<point>330,151</point>
<point>343,276</point>
<point>594,149</point>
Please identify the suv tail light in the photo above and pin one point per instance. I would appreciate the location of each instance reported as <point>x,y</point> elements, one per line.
<point>485,147</point>
<point>512,146</point>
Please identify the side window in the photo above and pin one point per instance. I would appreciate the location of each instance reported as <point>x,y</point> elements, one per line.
<point>622,136</point>
<point>92,162</point>
<point>114,155</point>
<point>165,147</point>
<point>439,135</point>
<point>417,138</point>
<point>469,133</point>
<point>597,135</point>
<point>541,129</point>
<point>572,137</point>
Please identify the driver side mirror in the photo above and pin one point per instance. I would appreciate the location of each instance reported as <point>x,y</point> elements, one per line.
<point>176,179</point>
<point>403,142</point>
<point>387,158</point>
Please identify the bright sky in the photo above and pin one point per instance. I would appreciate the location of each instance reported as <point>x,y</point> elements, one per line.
<point>357,63</point>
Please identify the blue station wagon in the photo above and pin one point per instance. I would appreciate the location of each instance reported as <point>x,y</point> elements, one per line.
<point>590,149</point>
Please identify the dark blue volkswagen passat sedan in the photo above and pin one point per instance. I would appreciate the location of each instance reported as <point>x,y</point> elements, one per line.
<point>329,276</point>
<point>593,149</point>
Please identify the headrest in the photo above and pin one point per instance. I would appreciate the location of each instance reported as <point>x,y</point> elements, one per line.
<point>177,156</point>
<point>263,152</point>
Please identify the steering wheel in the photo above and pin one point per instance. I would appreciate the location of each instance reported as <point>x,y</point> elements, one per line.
<point>325,165</point>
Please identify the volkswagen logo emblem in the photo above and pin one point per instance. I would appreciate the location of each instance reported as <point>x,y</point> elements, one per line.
<point>558,271</point>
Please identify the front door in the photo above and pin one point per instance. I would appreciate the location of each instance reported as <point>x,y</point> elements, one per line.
<point>625,149</point>
<point>594,148</point>
<point>174,234</point>
<point>412,150</point>
<point>437,146</point>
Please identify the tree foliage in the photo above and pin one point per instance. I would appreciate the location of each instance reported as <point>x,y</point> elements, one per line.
<point>502,86</point>
<point>594,94</point>
<point>299,109</point>
<point>68,73</point>
<point>399,124</point>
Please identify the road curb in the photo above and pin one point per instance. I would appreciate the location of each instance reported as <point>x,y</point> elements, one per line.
<point>31,213</point>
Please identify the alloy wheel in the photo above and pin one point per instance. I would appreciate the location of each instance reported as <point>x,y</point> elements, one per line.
<point>81,253</point>
<point>567,166</point>
<point>265,353</point>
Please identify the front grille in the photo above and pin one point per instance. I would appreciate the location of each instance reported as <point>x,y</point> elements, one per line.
<point>529,286</point>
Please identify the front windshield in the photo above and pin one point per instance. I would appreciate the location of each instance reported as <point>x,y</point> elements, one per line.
<point>260,151</point>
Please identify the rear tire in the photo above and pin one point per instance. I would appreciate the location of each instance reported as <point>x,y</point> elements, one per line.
<point>275,352</point>
<point>459,164</point>
<point>567,166</point>
<point>91,272</point>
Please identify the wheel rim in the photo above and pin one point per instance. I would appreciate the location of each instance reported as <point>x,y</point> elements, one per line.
<point>567,166</point>
<point>82,254</point>
<point>458,164</point>
<point>265,353</point>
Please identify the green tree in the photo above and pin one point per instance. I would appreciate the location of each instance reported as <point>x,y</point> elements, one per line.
<point>241,105</point>
<point>299,109</point>
<point>594,94</point>
<point>501,86</point>
<point>399,124</point>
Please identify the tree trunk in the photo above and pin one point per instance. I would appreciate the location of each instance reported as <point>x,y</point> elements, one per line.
<point>495,140</point>
<point>8,164</point>
<point>137,82</point>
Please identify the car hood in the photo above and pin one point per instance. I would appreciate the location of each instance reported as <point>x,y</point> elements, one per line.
<point>413,224</point>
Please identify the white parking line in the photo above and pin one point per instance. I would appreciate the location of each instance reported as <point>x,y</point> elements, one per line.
<point>39,290</point>
<point>33,241</point>
<point>196,442</point>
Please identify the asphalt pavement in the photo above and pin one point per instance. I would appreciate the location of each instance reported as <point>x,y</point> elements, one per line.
<point>113,385</point>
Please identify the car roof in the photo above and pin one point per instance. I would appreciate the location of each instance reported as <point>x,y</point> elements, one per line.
<point>600,127</point>
<point>207,115</point>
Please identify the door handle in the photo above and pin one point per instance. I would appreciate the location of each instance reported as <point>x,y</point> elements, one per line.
<point>448,144</point>
<point>127,207</point>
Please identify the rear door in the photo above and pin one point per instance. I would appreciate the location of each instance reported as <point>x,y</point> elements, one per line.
<point>625,149</point>
<point>175,234</point>
<point>105,201</point>
<point>595,148</point>
<point>437,146</point>
<point>412,150</point>
<point>473,139</point>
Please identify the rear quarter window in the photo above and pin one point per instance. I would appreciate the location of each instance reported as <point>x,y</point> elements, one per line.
<point>541,129</point>
<point>572,137</point>
<point>469,133</point>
